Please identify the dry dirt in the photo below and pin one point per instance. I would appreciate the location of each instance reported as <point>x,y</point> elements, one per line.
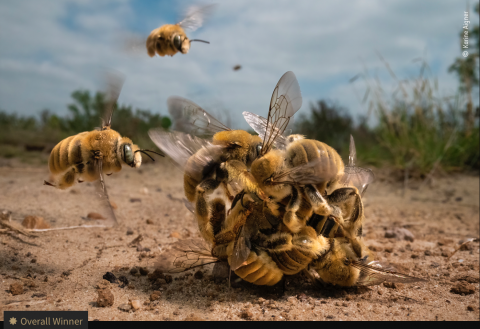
<point>60,270</point>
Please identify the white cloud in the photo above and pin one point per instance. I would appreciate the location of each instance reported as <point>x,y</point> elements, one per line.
<point>322,42</point>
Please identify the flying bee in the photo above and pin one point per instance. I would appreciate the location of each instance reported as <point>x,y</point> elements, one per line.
<point>88,155</point>
<point>171,38</point>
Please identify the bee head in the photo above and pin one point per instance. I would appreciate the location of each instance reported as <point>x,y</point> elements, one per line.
<point>181,43</point>
<point>255,150</point>
<point>129,153</point>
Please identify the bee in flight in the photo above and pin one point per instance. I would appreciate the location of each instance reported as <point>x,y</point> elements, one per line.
<point>169,39</point>
<point>88,155</point>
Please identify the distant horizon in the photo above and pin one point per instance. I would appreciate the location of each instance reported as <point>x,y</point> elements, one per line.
<point>49,49</point>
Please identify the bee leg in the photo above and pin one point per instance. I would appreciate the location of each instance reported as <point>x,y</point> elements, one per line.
<point>319,204</point>
<point>234,169</point>
<point>48,183</point>
<point>68,179</point>
<point>227,192</point>
<point>309,243</point>
<point>203,210</point>
<point>276,242</point>
<point>290,219</point>
<point>314,279</point>
<point>348,199</point>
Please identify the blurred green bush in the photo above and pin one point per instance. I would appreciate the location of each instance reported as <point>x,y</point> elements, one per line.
<point>85,113</point>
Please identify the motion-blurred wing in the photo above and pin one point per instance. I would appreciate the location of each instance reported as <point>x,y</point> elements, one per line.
<point>259,124</point>
<point>191,154</point>
<point>285,102</point>
<point>195,17</point>
<point>190,118</point>
<point>316,171</point>
<point>352,155</point>
<point>185,255</point>
<point>241,251</point>
<point>373,274</point>
<point>356,176</point>
<point>115,82</point>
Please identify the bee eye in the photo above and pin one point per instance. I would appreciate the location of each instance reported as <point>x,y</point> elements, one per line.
<point>177,42</point>
<point>127,154</point>
<point>259,149</point>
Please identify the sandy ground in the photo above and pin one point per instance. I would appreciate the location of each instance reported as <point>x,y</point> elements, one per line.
<point>60,270</point>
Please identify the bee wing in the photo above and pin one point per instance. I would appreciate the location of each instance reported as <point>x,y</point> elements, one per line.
<point>195,17</point>
<point>352,155</point>
<point>316,171</point>
<point>374,273</point>
<point>285,102</point>
<point>241,250</point>
<point>259,124</point>
<point>189,205</point>
<point>181,147</point>
<point>356,176</point>
<point>101,203</point>
<point>115,81</point>
<point>190,118</point>
<point>185,255</point>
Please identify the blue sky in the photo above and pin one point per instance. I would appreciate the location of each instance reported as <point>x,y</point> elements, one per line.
<point>50,48</point>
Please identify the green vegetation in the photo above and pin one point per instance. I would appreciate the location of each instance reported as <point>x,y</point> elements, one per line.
<point>19,134</point>
<point>417,130</point>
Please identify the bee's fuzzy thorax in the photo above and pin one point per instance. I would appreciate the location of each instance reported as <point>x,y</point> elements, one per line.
<point>237,141</point>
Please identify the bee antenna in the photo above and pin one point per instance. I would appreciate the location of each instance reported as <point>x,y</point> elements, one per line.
<point>145,152</point>
<point>199,41</point>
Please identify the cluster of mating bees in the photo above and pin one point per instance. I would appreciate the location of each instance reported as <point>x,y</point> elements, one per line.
<point>288,204</point>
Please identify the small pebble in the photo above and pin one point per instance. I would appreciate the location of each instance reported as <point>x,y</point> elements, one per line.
<point>135,304</point>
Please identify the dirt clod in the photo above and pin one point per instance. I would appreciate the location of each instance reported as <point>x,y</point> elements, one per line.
<point>144,271</point>
<point>149,222</point>
<point>105,297</point>
<point>470,278</point>
<point>471,308</point>
<point>400,233</point>
<point>463,288</point>
<point>175,234</point>
<point>198,275</point>
<point>129,232</point>
<point>168,278</point>
<point>95,216</point>
<point>134,271</point>
<point>155,295</point>
<point>16,289</point>
<point>393,285</point>
<point>123,279</point>
<point>35,222</point>
<point>247,315</point>
<point>110,277</point>
<point>157,274</point>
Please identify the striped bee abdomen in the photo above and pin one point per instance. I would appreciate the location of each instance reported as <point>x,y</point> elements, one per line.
<point>66,154</point>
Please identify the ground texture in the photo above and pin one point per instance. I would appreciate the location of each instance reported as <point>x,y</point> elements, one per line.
<point>64,269</point>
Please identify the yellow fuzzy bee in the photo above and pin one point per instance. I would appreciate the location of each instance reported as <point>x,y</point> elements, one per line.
<point>88,155</point>
<point>170,39</point>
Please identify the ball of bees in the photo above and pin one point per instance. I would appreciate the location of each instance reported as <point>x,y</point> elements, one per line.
<point>170,39</point>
